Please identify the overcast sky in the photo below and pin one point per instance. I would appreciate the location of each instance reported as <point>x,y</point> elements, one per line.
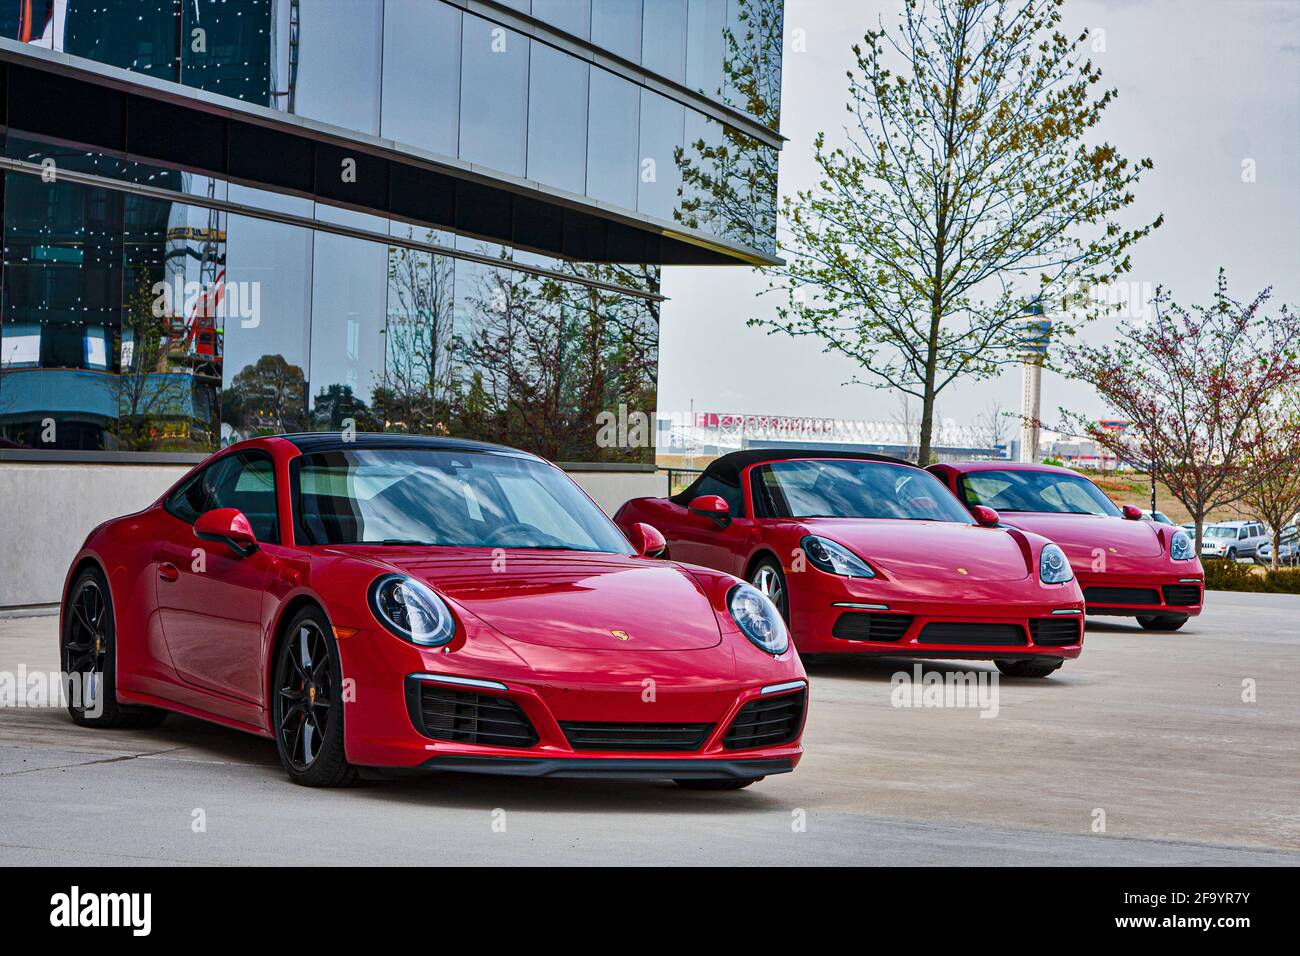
<point>1203,85</point>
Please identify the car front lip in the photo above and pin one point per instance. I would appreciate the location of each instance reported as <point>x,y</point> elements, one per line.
<point>613,768</point>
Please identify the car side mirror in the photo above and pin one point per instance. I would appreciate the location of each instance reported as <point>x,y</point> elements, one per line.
<point>647,540</point>
<point>985,516</point>
<point>711,506</point>
<point>230,527</point>
<point>1132,513</point>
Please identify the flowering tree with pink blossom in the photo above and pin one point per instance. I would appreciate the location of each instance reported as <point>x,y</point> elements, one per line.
<point>1202,389</point>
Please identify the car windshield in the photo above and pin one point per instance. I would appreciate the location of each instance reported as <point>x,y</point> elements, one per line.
<point>848,488</point>
<point>444,497</point>
<point>1218,531</point>
<point>1044,491</point>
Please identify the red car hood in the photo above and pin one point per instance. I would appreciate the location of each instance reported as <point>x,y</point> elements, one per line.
<point>929,550</point>
<point>567,599</point>
<point>1080,535</point>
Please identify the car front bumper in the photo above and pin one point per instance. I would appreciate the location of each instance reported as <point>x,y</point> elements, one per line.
<point>1131,594</point>
<point>571,701</point>
<point>981,620</point>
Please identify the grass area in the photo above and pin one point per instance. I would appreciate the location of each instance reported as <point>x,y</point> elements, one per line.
<point>1223,575</point>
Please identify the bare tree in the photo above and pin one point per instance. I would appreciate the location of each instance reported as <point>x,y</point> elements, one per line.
<point>991,425</point>
<point>971,187</point>
<point>415,393</point>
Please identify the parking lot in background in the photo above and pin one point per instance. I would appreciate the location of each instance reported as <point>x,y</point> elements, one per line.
<point>1146,732</point>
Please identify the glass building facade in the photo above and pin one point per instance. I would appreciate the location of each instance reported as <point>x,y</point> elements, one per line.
<point>458,230</point>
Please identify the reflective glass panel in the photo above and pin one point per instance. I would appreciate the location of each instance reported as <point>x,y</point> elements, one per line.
<point>416,392</point>
<point>421,91</point>
<point>62,314</point>
<point>338,72</point>
<point>663,38</point>
<point>227,48</point>
<point>616,26</point>
<point>557,119</point>
<point>268,301</point>
<point>571,16</point>
<point>658,178</point>
<point>612,161</point>
<point>494,96</point>
<point>347,322</point>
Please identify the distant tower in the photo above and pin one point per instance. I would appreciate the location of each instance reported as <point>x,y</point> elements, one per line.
<point>1038,334</point>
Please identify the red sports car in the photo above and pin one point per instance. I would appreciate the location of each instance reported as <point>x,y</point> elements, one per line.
<point>415,603</point>
<point>1127,566</point>
<point>868,554</point>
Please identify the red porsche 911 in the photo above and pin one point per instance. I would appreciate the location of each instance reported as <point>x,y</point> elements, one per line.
<point>868,554</point>
<point>1127,566</point>
<point>384,601</point>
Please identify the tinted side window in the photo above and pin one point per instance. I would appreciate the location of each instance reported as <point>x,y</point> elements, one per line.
<point>245,482</point>
<point>191,499</point>
<point>248,483</point>
<point>724,483</point>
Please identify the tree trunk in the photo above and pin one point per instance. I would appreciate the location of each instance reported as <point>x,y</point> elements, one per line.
<point>931,365</point>
<point>1199,518</point>
<point>1277,546</point>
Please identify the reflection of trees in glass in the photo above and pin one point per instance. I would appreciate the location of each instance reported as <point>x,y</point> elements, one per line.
<point>415,394</point>
<point>335,408</point>
<point>751,69</point>
<point>729,178</point>
<point>266,398</point>
<point>154,403</point>
<point>540,359</point>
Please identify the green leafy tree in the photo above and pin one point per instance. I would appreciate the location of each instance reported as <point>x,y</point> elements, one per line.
<point>266,398</point>
<point>970,187</point>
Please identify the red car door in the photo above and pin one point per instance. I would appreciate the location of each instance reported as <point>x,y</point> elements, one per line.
<point>699,539</point>
<point>210,600</point>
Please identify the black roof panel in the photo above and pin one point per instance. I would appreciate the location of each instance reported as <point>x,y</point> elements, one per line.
<point>752,456</point>
<point>309,442</point>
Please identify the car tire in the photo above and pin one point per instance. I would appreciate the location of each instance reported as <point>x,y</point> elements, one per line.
<point>307,703</point>
<point>1232,554</point>
<point>716,784</point>
<point>769,578</point>
<point>88,648</point>
<point>1029,668</point>
<point>1162,622</point>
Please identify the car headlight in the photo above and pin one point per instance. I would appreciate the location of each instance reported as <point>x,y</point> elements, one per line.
<point>1053,566</point>
<point>412,611</point>
<point>1180,547</point>
<point>833,558</point>
<point>758,619</point>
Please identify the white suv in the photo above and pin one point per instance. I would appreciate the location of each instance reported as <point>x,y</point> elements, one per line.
<point>1233,539</point>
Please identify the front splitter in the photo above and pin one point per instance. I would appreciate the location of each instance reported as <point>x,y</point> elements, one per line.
<point>602,769</point>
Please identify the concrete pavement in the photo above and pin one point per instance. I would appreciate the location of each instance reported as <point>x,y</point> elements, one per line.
<point>1147,730</point>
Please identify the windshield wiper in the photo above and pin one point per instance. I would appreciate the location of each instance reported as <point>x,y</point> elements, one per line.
<point>423,544</point>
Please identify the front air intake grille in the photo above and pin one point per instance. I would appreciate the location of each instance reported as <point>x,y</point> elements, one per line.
<point>588,736</point>
<point>1056,630</point>
<point>1121,596</point>
<point>767,722</point>
<point>467,717</point>
<point>1183,594</point>
<point>944,632</point>
<point>870,626</point>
